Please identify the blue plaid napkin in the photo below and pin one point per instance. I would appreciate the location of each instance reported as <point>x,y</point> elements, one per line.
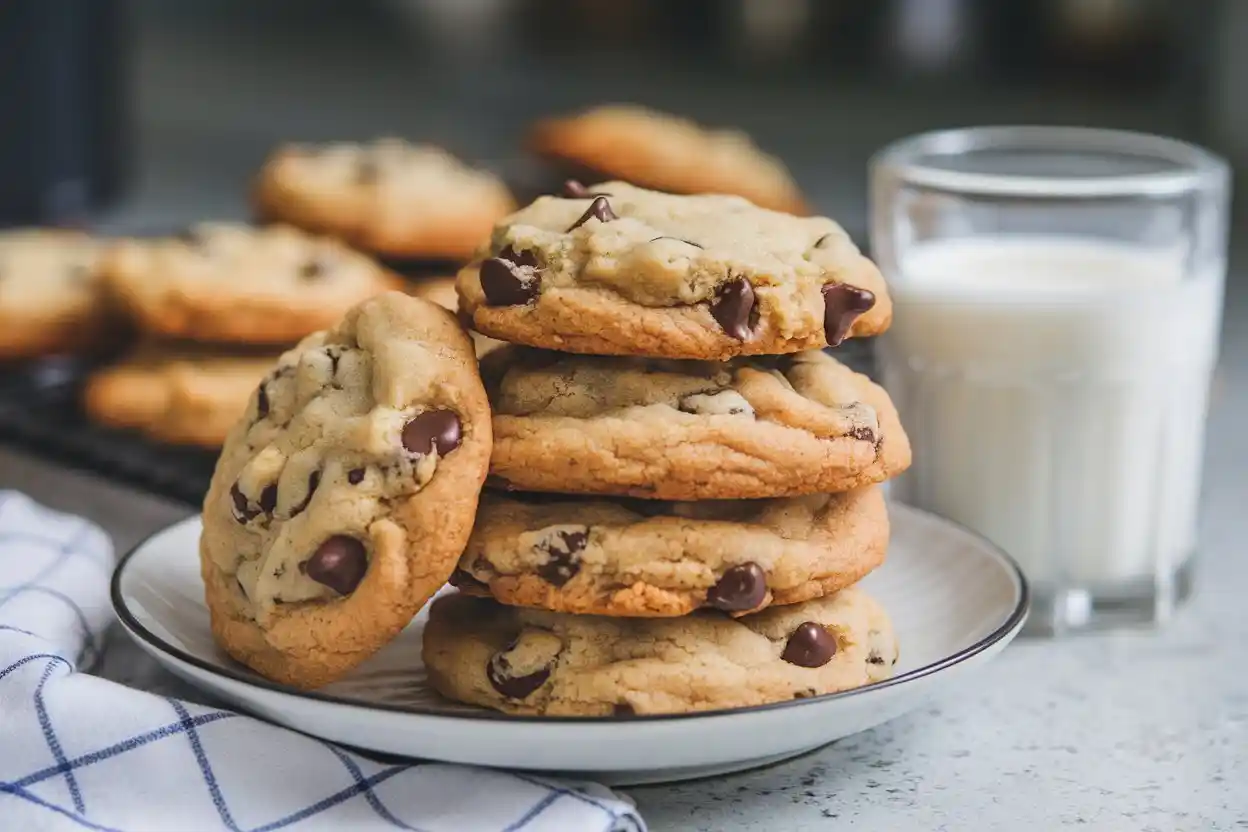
<point>80,752</point>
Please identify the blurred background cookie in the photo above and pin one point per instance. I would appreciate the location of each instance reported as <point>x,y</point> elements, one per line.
<point>176,393</point>
<point>233,283</point>
<point>50,297</point>
<point>666,153</point>
<point>389,197</point>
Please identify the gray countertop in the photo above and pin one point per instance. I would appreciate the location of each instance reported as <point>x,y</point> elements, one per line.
<point>1130,731</point>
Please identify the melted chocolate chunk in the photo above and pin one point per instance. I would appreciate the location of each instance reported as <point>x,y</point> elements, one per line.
<point>339,563</point>
<point>510,279</point>
<point>243,512</point>
<point>314,479</point>
<point>810,645</point>
<point>623,709</point>
<point>498,671</point>
<point>433,429</point>
<point>572,189</point>
<point>742,587</point>
<point>599,210</point>
<point>842,304</point>
<point>268,498</point>
<point>562,561</point>
<point>733,307</point>
<point>355,476</point>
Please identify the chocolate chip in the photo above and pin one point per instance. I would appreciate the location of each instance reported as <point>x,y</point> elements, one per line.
<point>842,304</point>
<point>875,658</point>
<point>339,563</point>
<point>262,402</point>
<point>498,671</point>
<point>268,498</point>
<point>520,258</point>
<point>314,479</point>
<point>243,512</point>
<point>573,189</point>
<point>509,281</point>
<point>433,429</point>
<point>355,476</point>
<point>733,307</point>
<point>313,269</point>
<point>743,587</point>
<point>562,562</point>
<point>623,709</point>
<point>463,579</point>
<point>599,210</point>
<point>810,645</point>
<point>366,170</point>
<point>863,433</point>
<point>679,240</point>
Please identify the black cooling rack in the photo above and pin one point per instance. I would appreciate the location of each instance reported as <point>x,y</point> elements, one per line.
<point>40,414</point>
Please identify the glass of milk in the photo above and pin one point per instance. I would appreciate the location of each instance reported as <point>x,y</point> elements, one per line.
<point>1058,297</point>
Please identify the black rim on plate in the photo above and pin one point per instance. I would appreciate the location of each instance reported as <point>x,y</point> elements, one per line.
<point>1012,622</point>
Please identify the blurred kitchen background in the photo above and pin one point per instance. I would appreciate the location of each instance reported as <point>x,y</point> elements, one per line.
<point>159,111</point>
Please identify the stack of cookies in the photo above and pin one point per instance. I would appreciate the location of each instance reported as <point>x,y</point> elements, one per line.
<point>684,482</point>
<point>683,485</point>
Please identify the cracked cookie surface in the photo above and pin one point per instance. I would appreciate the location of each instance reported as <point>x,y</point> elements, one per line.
<point>51,299</point>
<point>667,153</point>
<point>654,558</point>
<point>234,283</point>
<point>689,430</point>
<point>613,269</point>
<point>526,661</point>
<point>388,197</point>
<point>346,493</point>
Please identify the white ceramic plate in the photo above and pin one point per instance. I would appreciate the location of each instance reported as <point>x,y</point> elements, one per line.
<point>955,601</point>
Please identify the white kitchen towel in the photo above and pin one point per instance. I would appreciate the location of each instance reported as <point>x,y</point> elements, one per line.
<point>80,752</point>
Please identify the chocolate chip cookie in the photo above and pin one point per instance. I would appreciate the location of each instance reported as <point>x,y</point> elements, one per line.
<point>526,661</point>
<point>234,283</point>
<point>50,297</point>
<point>689,430</point>
<point>177,394</point>
<point>390,197</point>
<point>653,558</point>
<point>344,496</point>
<point>618,270</point>
<point>662,151</point>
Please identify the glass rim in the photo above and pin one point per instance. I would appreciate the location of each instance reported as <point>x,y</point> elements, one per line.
<point>1194,167</point>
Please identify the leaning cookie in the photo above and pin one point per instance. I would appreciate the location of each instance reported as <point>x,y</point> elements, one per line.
<point>50,296</point>
<point>689,430</point>
<point>234,283</point>
<point>618,270</point>
<point>652,558</point>
<point>390,197</point>
<point>667,153</point>
<point>176,394</point>
<point>525,661</point>
<point>344,497</point>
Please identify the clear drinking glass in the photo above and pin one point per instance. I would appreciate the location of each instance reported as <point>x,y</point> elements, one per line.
<point>1058,296</point>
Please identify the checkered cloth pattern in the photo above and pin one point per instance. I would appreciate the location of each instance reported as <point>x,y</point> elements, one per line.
<point>81,752</point>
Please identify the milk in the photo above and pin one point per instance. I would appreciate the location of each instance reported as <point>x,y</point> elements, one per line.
<point>1055,390</point>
